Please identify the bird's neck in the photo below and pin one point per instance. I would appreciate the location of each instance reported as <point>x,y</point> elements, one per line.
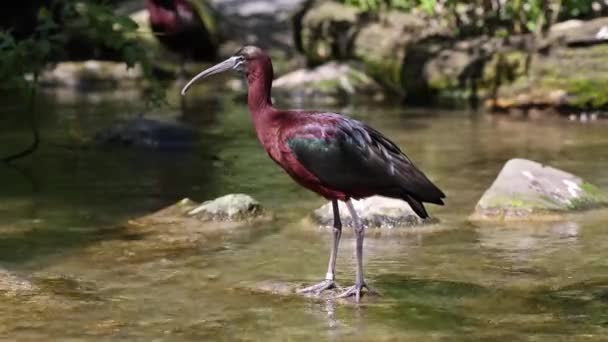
<point>259,83</point>
<point>265,117</point>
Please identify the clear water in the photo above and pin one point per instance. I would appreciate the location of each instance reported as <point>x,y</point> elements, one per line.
<point>61,210</point>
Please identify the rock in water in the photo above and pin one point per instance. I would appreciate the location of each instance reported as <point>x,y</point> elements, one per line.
<point>375,212</point>
<point>148,133</point>
<point>188,224</point>
<point>525,189</point>
<point>229,207</point>
<point>12,285</point>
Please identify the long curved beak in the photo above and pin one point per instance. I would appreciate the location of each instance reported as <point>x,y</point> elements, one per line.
<point>228,64</point>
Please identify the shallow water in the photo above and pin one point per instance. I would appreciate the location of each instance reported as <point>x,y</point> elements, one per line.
<point>61,209</point>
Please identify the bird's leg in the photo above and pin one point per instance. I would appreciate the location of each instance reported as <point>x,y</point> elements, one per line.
<point>355,290</point>
<point>330,276</point>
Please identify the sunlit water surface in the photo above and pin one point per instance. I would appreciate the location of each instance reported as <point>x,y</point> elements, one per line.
<point>61,210</point>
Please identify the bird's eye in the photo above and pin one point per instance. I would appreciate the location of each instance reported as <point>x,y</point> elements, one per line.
<point>240,61</point>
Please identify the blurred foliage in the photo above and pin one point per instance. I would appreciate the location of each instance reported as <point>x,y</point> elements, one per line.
<point>57,25</point>
<point>491,16</point>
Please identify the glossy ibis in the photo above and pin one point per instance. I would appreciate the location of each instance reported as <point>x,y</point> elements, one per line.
<point>178,23</point>
<point>335,156</point>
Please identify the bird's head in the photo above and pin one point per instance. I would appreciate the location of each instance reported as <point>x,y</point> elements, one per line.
<point>249,61</point>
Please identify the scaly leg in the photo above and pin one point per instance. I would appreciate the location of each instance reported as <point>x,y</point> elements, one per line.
<point>330,276</point>
<point>355,290</point>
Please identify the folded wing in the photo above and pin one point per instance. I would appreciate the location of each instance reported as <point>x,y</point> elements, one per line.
<point>349,156</point>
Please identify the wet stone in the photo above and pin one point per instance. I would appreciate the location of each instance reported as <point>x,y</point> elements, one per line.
<point>13,285</point>
<point>33,294</point>
<point>375,212</point>
<point>147,133</point>
<point>229,207</point>
<point>525,189</point>
<point>188,223</point>
<point>69,288</point>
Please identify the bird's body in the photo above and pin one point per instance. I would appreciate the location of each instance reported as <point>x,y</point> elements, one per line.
<point>340,158</point>
<point>333,155</point>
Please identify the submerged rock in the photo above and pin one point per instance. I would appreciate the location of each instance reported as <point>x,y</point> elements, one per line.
<point>525,189</point>
<point>33,295</point>
<point>188,223</point>
<point>229,207</point>
<point>375,212</point>
<point>147,133</point>
<point>13,285</point>
<point>155,240</point>
<point>331,82</point>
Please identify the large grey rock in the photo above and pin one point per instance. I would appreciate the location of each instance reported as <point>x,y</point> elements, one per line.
<point>331,82</point>
<point>375,212</point>
<point>527,189</point>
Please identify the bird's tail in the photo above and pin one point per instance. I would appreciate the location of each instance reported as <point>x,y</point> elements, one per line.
<point>417,206</point>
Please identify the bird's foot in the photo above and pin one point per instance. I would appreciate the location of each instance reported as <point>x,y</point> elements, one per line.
<point>356,291</point>
<point>320,287</point>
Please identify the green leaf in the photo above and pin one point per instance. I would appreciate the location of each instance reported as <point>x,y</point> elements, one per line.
<point>127,23</point>
<point>130,55</point>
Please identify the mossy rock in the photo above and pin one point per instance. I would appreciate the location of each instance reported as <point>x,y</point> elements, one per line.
<point>401,51</point>
<point>326,31</point>
<point>233,208</point>
<point>527,190</point>
<point>187,224</point>
<point>566,79</point>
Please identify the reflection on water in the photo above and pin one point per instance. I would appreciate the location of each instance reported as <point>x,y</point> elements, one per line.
<point>60,209</point>
<point>521,241</point>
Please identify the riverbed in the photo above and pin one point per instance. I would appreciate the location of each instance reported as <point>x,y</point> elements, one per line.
<point>62,210</point>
